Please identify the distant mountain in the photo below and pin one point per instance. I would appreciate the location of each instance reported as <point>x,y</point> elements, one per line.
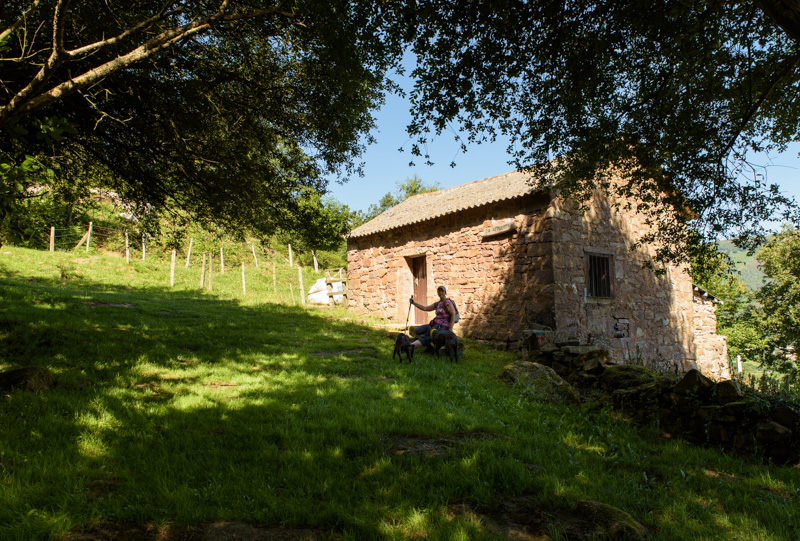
<point>747,265</point>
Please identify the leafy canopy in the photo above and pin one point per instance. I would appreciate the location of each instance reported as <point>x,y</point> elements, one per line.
<point>676,95</point>
<point>225,109</point>
<point>779,298</point>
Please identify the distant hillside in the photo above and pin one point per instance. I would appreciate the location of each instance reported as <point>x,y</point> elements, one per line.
<point>747,265</point>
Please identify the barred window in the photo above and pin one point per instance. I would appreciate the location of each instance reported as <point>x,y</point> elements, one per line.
<point>599,275</point>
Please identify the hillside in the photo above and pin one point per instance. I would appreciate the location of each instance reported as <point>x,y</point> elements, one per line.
<point>183,413</point>
<point>746,264</point>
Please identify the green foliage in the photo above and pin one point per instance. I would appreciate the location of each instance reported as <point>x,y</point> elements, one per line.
<point>322,221</point>
<point>14,179</point>
<point>745,263</point>
<point>770,389</point>
<point>227,125</point>
<point>405,189</point>
<point>675,96</point>
<point>779,298</point>
<point>231,122</point>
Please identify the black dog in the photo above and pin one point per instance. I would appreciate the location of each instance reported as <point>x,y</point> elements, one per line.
<point>403,344</point>
<point>443,338</point>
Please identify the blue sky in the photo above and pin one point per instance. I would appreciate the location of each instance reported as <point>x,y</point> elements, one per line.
<point>385,166</point>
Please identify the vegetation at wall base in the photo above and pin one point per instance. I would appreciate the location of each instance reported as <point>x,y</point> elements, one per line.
<point>176,409</point>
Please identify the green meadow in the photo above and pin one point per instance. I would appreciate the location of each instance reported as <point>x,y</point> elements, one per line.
<point>179,408</point>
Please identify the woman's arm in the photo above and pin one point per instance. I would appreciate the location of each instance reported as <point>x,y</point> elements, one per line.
<point>451,310</point>
<point>426,308</point>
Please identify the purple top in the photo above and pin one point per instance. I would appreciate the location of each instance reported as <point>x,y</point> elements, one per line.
<point>442,316</point>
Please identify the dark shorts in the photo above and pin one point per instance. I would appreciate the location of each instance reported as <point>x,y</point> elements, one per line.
<point>423,332</point>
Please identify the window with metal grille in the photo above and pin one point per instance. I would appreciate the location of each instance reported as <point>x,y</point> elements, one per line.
<point>599,275</point>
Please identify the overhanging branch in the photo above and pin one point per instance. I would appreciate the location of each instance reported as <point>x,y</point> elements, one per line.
<point>19,22</point>
<point>787,67</point>
<point>32,98</point>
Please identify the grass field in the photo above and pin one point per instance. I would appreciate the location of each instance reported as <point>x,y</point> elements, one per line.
<point>178,409</point>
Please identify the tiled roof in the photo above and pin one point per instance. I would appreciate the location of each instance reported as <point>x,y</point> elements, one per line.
<point>427,206</point>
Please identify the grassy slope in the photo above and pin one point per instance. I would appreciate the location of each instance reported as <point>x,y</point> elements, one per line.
<point>180,406</point>
<point>746,264</point>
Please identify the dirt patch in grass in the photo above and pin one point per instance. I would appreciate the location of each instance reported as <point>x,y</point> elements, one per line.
<point>524,518</point>
<point>216,531</point>
<point>101,488</point>
<point>218,384</point>
<point>345,352</point>
<point>428,446</point>
<point>109,304</point>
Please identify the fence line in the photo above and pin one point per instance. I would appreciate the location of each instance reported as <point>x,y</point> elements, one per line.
<point>118,240</point>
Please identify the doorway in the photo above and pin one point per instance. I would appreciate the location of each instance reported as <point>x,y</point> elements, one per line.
<point>420,273</point>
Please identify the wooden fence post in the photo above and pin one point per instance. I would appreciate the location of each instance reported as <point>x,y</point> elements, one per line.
<point>189,255</point>
<point>314,256</point>
<point>89,237</point>
<point>144,251</point>
<point>221,261</point>
<point>253,246</point>
<point>127,248</point>
<point>203,272</point>
<point>52,239</point>
<point>302,289</point>
<point>172,271</point>
<point>210,272</point>
<point>244,288</point>
<point>329,287</point>
<point>290,255</point>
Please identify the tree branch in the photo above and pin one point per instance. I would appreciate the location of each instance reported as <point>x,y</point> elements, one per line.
<point>98,45</point>
<point>24,102</point>
<point>8,31</point>
<point>788,66</point>
<point>55,59</point>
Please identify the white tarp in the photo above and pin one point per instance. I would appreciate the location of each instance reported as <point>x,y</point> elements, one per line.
<point>318,294</point>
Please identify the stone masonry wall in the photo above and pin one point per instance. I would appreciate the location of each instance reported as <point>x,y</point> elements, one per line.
<point>535,276</point>
<point>712,349</point>
<point>649,316</point>
<point>501,284</point>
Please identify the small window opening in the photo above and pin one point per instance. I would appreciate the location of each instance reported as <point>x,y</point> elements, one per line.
<point>599,279</point>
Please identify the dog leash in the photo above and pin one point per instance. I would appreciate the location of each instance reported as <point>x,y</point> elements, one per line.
<point>409,315</point>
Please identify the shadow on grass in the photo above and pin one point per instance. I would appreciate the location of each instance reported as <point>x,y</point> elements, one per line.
<point>182,408</point>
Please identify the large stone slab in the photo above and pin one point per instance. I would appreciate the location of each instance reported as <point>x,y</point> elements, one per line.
<point>540,381</point>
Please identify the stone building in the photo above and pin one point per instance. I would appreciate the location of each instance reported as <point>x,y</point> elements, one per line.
<point>518,261</point>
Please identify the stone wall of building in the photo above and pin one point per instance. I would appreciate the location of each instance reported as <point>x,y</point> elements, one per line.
<point>649,317</point>
<point>501,283</point>
<point>712,348</point>
<point>532,275</point>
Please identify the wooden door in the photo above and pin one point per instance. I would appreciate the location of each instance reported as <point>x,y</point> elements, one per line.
<point>419,270</point>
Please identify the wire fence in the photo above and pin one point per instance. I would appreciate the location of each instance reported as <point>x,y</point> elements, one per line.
<point>66,238</point>
<point>212,257</point>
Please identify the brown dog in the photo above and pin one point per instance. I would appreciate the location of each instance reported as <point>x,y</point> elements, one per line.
<point>403,344</point>
<point>443,338</point>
